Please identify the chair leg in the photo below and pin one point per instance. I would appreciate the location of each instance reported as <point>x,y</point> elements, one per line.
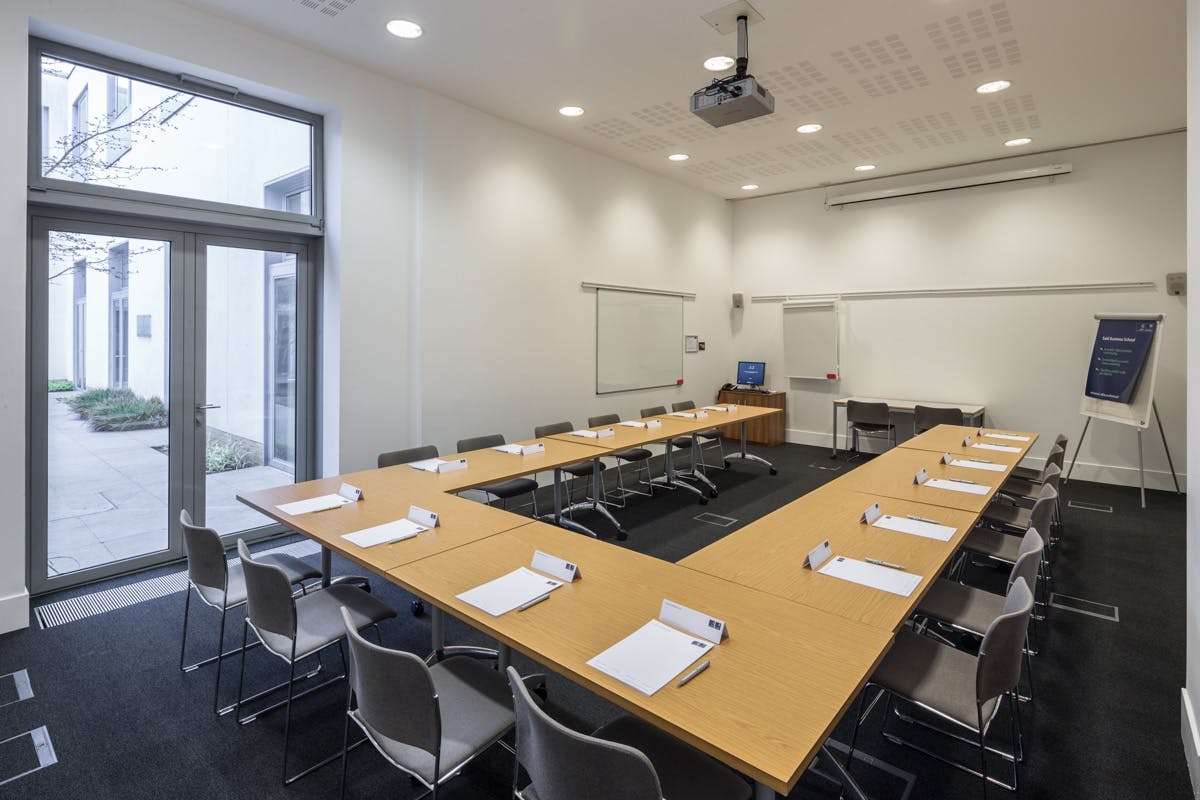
<point>187,605</point>
<point>237,706</point>
<point>287,715</point>
<point>857,722</point>
<point>220,656</point>
<point>346,739</point>
<point>982,751</point>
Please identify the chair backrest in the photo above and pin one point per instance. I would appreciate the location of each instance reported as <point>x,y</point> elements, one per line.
<point>998,666</point>
<point>205,554</point>
<point>479,442</point>
<point>1061,441</point>
<point>1029,556</point>
<point>654,411</point>
<point>1043,508</point>
<point>395,692</point>
<point>408,456</point>
<point>1057,454</point>
<point>604,419</point>
<point>550,430</point>
<point>269,602</point>
<point>1051,475</point>
<point>566,765</point>
<point>683,405</point>
<point>926,417</point>
<point>869,413</point>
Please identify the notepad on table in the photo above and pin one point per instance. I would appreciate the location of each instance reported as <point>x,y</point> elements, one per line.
<point>969,464</point>
<point>1011,436</point>
<point>686,414</point>
<point>439,464</point>
<point>930,530</point>
<point>715,408</point>
<point>509,591</point>
<point>895,581</point>
<point>1003,448</point>
<point>633,423</point>
<point>650,657</point>
<point>322,503</point>
<point>388,532</point>
<point>957,486</point>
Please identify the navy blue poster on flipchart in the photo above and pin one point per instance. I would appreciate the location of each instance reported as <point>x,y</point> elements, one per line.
<point>1118,358</point>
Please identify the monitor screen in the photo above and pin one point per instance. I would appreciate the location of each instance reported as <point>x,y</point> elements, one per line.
<point>750,373</point>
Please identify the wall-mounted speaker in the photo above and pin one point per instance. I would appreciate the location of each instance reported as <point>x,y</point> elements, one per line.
<point>737,300</point>
<point>1176,283</point>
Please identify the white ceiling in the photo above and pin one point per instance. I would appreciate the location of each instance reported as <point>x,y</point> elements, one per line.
<point>892,81</point>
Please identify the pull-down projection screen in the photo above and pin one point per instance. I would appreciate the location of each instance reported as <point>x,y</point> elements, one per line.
<point>639,340</point>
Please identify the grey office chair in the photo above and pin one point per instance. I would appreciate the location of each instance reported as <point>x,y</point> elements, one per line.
<point>634,455</point>
<point>709,435</point>
<point>627,759</point>
<point>222,587</point>
<point>1032,473</point>
<point>295,628</point>
<point>580,469</point>
<point>1000,547</point>
<point>926,417</point>
<point>407,456</point>
<point>957,688</point>
<point>427,721</point>
<point>868,419</point>
<point>688,443</point>
<point>505,490</point>
<point>1015,518</point>
<point>1028,487</point>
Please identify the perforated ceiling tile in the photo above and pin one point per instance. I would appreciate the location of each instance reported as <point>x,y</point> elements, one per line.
<point>663,114</point>
<point>895,81</point>
<point>873,55</point>
<point>716,172</point>
<point>694,132</point>
<point>868,143</point>
<point>793,78</point>
<point>813,155</point>
<point>933,130</point>
<point>1009,116</point>
<point>613,128</point>
<point>647,143</point>
<point>990,57</point>
<point>330,8</point>
<point>825,99</point>
<point>976,25</point>
<point>760,163</point>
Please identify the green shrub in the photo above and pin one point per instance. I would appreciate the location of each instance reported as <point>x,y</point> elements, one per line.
<point>118,410</point>
<point>61,386</point>
<point>227,453</point>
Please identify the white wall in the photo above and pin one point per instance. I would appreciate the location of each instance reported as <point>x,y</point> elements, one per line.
<point>1118,217</point>
<point>513,221</point>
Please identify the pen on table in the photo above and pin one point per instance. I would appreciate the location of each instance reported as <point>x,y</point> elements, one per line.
<point>703,665</point>
<point>533,602</point>
<point>961,480</point>
<point>881,563</point>
<point>915,518</point>
<point>979,460</point>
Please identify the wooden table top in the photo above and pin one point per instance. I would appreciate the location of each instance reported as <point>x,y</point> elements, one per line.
<point>769,553</point>
<point>891,475</point>
<point>775,689</point>
<point>949,439</point>
<point>492,466</point>
<point>625,437</point>
<point>384,500</point>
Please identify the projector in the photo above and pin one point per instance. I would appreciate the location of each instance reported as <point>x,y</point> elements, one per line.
<point>730,100</point>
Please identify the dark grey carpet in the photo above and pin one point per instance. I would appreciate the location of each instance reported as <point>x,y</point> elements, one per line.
<point>1105,723</point>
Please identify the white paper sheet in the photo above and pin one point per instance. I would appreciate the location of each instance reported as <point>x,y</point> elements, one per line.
<point>650,657</point>
<point>930,530</point>
<point>322,503</point>
<point>386,533</point>
<point>896,581</point>
<point>514,449</point>
<point>716,408</point>
<point>1003,448</point>
<point>1010,436</point>
<point>509,591</point>
<point>686,414</point>
<point>586,434</point>
<point>633,423</point>
<point>439,465</point>
<point>957,486</point>
<point>988,465</point>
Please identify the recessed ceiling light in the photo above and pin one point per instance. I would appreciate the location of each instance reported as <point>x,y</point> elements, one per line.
<point>404,28</point>
<point>991,87</point>
<point>718,63</point>
<point>1020,140</point>
<point>571,111</point>
<point>679,157</point>
<point>809,127</point>
<point>750,187</point>
<point>864,168</point>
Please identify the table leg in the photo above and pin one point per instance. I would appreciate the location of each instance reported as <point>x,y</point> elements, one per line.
<point>742,454</point>
<point>557,517</point>
<point>763,792</point>
<point>326,566</point>
<point>437,626</point>
<point>850,787</point>
<point>693,475</point>
<point>669,476</point>
<point>833,437</point>
<point>503,657</point>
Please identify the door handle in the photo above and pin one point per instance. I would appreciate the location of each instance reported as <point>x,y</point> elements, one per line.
<point>206,406</point>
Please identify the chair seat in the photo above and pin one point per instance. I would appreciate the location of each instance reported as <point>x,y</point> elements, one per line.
<point>964,607</point>
<point>683,772</point>
<point>1026,473</point>
<point>1004,514</point>
<point>1021,488</point>
<point>709,434</point>
<point>476,706</point>
<point>582,469</point>
<point>319,620</point>
<point>935,675</point>
<point>632,454</point>
<point>997,545</point>
<point>297,571</point>
<point>682,442</point>
<point>871,427</point>
<point>512,488</point>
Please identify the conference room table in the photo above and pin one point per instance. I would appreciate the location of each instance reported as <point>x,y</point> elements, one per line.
<point>952,439</point>
<point>971,411</point>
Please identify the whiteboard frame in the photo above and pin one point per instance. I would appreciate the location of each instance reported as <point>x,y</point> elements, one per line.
<point>830,302</point>
<point>1136,413</point>
<point>682,296</point>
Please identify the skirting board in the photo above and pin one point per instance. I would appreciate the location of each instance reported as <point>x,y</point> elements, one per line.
<point>1084,471</point>
<point>14,611</point>
<point>1191,740</point>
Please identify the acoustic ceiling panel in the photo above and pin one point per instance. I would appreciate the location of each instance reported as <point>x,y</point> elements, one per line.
<point>330,8</point>
<point>1012,115</point>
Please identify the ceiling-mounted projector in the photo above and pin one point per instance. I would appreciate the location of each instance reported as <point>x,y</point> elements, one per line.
<point>737,97</point>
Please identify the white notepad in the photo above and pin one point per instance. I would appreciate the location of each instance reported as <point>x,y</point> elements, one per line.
<point>322,503</point>
<point>386,533</point>
<point>715,408</point>
<point>439,464</point>
<point>957,486</point>
<point>896,581</point>
<point>1010,436</point>
<point>1003,448</point>
<point>685,414</point>
<point>650,657</point>
<point>988,465</point>
<point>633,423</point>
<point>930,530</point>
<point>509,591</point>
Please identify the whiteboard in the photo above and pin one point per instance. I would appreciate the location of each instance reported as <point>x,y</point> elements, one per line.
<point>810,339</point>
<point>639,340</point>
<point>1137,411</point>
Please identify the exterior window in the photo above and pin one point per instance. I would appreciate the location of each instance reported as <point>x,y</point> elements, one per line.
<point>119,140</point>
<point>118,301</point>
<point>79,325</point>
<point>79,118</point>
<point>45,133</point>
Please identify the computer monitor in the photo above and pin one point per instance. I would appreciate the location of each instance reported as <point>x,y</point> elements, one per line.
<point>751,373</point>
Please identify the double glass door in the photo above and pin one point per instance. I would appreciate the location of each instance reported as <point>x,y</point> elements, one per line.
<point>170,370</point>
